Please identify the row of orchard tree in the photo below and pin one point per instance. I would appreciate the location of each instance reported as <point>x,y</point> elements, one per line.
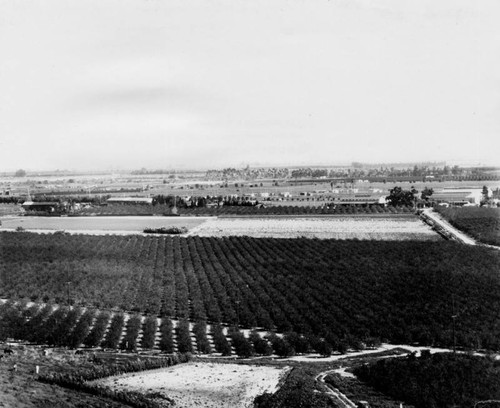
<point>75,327</point>
<point>401,292</point>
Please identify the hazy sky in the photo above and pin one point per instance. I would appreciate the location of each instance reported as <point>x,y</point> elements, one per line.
<point>163,83</point>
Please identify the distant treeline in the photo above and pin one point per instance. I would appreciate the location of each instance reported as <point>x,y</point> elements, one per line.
<point>358,170</point>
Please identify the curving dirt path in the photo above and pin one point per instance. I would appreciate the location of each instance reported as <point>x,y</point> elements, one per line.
<point>333,392</point>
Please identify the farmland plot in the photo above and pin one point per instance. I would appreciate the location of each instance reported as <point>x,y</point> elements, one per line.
<point>385,228</point>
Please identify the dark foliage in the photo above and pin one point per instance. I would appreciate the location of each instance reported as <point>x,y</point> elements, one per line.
<point>149,332</point>
<point>129,341</point>
<point>398,197</point>
<point>260,345</point>
<point>82,329</point>
<point>281,346</point>
<point>351,291</point>
<point>220,342</point>
<point>96,334</point>
<point>166,341</point>
<point>183,334</point>
<point>114,332</point>
<point>242,346</point>
<point>432,381</point>
<point>482,223</point>
<point>298,391</point>
<point>200,332</point>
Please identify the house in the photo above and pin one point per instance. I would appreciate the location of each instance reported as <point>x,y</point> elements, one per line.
<point>44,207</point>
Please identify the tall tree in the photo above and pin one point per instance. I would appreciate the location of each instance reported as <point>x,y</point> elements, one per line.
<point>399,197</point>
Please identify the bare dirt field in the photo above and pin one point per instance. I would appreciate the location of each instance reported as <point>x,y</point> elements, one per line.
<point>385,228</point>
<point>208,385</point>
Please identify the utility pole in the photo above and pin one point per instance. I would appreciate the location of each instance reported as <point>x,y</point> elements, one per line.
<point>453,317</point>
<point>68,283</point>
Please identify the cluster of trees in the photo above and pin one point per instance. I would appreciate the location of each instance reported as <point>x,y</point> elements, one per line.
<point>247,173</point>
<point>482,223</point>
<point>309,173</point>
<point>398,197</point>
<point>11,200</point>
<point>438,380</point>
<point>359,170</point>
<point>349,292</point>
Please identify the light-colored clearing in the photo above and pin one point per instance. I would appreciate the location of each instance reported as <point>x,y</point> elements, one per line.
<point>203,384</point>
<point>398,228</point>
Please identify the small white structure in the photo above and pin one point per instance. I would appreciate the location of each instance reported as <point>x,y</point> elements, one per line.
<point>130,200</point>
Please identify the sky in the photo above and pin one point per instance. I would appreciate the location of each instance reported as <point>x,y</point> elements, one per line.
<point>126,84</point>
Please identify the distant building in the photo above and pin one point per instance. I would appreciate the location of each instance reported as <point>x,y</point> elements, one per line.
<point>460,196</point>
<point>45,207</point>
<point>130,200</point>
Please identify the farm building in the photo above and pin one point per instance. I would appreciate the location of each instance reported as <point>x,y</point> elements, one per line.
<point>45,207</point>
<point>460,196</point>
<point>130,200</point>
